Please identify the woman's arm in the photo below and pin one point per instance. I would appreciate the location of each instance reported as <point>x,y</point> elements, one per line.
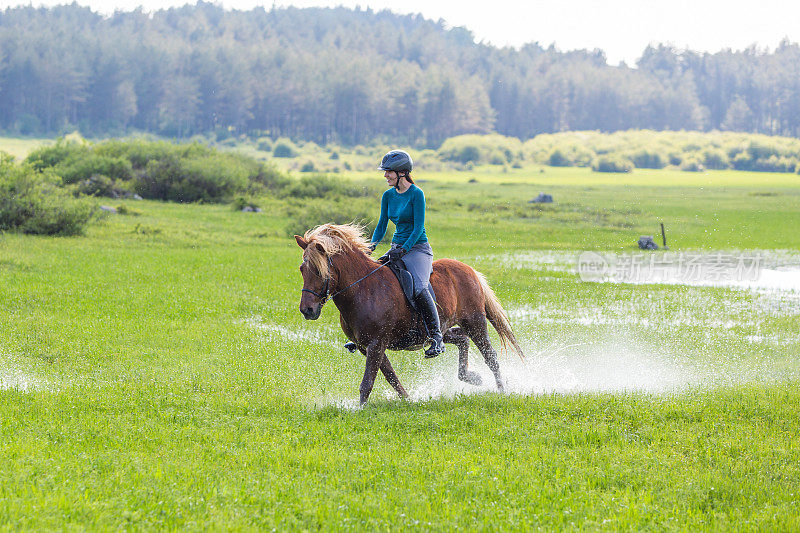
<point>383,221</point>
<point>419,220</point>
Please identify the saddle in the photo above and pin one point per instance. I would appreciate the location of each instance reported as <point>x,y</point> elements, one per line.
<point>407,282</point>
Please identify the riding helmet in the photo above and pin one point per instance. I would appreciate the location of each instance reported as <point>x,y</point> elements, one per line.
<point>397,161</point>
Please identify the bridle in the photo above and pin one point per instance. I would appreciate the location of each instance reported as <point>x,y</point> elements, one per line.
<point>325,294</point>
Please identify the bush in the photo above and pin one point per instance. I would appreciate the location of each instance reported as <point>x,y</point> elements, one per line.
<point>742,161</point>
<point>284,148</point>
<point>558,159</point>
<point>308,166</point>
<point>123,209</point>
<point>691,164</point>
<point>715,158</point>
<point>776,163</point>
<point>495,149</point>
<point>50,156</point>
<point>75,169</point>
<point>612,163</point>
<point>207,179</point>
<point>647,158</point>
<point>310,215</point>
<point>240,202</point>
<point>322,186</point>
<point>99,185</point>
<point>265,146</point>
<point>33,202</point>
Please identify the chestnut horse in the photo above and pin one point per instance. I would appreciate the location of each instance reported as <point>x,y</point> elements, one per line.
<point>375,315</point>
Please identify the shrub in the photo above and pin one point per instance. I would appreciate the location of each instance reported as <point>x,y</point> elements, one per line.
<point>334,156</point>
<point>715,158</point>
<point>692,164</point>
<point>612,163</point>
<point>240,202</point>
<point>208,179</point>
<point>322,186</point>
<point>310,215</point>
<point>558,159</point>
<point>647,158</point>
<point>265,146</point>
<point>98,185</point>
<point>123,209</point>
<point>140,152</point>
<point>775,163</point>
<point>497,157</point>
<point>742,161</point>
<point>308,166</point>
<point>284,148</point>
<point>50,156</point>
<point>495,149</point>
<point>33,202</point>
<point>75,169</point>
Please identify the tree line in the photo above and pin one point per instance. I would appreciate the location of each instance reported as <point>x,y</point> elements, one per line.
<point>349,76</point>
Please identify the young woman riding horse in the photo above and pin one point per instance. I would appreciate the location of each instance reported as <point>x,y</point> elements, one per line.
<point>373,311</point>
<point>404,204</point>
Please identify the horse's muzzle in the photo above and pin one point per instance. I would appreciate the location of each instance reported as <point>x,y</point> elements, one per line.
<point>311,313</point>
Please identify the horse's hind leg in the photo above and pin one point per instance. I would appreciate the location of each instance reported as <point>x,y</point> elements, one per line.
<point>391,377</point>
<point>456,335</point>
<point>476,330</point>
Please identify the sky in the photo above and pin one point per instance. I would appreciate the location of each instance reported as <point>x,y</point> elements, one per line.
<point>622,28</point>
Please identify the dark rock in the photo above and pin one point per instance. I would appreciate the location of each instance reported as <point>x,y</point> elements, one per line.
<point>247,209</point>
<point>542,199</point>
<point>646,242</point>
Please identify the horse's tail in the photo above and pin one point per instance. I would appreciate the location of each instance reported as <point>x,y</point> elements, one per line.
<point>497,317</point>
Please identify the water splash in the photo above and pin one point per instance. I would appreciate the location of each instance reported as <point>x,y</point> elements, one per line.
<point>12,378</point>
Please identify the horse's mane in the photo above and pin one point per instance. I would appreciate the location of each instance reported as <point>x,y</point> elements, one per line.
<point>333,239</point>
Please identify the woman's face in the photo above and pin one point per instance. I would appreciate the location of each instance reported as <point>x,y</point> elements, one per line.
<point>391,177</point>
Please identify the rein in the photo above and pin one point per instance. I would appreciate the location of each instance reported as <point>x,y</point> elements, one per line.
<point>325,296</point>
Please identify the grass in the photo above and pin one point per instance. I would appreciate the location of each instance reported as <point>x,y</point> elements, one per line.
<point>174,384</point>
<point>20,147</point>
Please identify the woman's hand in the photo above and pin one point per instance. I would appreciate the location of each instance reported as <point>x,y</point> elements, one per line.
<point>396,253</point>
<point>372,248</point>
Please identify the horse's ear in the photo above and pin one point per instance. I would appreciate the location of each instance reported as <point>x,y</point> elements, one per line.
<point>301,242</point>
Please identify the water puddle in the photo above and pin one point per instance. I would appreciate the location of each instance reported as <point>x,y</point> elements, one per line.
<point>11,378</point>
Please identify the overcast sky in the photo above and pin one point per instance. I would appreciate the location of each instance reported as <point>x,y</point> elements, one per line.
<point>622,28</point>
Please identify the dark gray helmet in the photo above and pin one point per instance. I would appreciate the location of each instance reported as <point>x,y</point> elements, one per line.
<point>397,161</point>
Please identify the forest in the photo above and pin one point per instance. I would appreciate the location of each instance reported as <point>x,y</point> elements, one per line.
<point>337,75</point>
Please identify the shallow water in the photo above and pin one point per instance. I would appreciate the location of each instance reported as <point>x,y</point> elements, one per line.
<point>658,335</point>
<point>12,378</point>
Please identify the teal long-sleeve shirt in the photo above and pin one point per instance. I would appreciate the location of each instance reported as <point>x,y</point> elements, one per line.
<point>407,211</point>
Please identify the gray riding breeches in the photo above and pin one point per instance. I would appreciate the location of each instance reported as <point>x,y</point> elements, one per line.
<point>419,261</point>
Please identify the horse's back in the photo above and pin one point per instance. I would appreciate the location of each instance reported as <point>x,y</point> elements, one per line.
<point>456,285</point>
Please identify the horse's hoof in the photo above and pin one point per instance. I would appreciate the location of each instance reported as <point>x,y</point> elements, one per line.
<point>473,378</point>
<point>351,346</point>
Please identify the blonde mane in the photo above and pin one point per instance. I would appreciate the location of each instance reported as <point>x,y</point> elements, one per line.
<point>333,239</point>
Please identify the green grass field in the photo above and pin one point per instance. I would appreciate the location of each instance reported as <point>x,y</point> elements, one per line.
<point>156,373</point>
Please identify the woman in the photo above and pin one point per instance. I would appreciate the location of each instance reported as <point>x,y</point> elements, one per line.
<point>404,204</point>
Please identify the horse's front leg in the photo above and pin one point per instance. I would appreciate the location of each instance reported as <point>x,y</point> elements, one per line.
<point>375,357</point>
<point>391,377</point>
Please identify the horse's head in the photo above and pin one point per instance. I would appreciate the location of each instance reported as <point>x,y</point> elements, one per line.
<point>316,279</point>
<point>319,246</point>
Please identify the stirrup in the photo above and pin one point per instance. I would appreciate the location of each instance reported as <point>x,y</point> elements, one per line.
<point>436,348</point>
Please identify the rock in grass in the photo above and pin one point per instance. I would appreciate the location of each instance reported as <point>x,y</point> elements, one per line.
<point>542,199</point>
<point>646,242</point>
<point>108,209</point>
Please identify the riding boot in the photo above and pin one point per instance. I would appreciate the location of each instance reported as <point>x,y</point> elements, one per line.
<point>427,308</point>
